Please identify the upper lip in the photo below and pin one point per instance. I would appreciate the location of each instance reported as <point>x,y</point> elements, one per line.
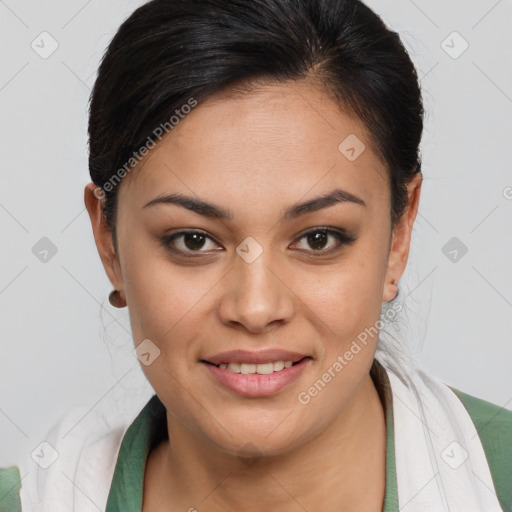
<point>246,356</point>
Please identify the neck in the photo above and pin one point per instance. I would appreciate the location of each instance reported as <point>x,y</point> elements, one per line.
<point>343,468</point>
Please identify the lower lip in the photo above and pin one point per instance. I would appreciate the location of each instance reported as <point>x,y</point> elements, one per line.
<point>254,384</point>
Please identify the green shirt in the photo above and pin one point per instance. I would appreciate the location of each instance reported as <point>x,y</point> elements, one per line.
<point>493,424</point>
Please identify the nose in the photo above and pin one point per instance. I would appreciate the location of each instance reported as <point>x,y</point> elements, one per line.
<point>256,296</point>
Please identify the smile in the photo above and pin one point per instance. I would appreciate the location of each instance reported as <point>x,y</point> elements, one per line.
<point>257,379</point>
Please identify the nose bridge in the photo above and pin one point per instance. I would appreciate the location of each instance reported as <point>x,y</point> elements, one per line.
<point>255,278</point>
<point>257,296</point>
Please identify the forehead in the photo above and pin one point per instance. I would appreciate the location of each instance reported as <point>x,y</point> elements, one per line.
<point>274,140</point>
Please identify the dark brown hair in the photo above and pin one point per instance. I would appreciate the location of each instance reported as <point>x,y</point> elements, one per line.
<point>169,51</point>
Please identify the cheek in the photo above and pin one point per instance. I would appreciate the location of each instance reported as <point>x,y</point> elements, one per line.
<point>345,298</point>
<point>160,297</point>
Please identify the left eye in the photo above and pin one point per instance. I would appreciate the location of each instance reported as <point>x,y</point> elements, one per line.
<point>318,239</point>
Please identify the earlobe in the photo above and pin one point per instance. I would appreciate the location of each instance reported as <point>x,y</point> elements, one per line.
<point>391,291</point>
<point>395,284</point>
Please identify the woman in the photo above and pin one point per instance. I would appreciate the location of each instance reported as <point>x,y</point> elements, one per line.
<point>255,181</point>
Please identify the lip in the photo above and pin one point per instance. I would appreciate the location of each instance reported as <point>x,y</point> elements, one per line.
<point>246,356</point>
<point>254,384</point>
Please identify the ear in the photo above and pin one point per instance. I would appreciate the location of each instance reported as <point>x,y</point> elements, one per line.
<point>93,198</point>
<point>401,239</point>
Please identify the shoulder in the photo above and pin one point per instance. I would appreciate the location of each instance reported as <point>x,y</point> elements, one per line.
<point>494,427</point>
<point>10,483</point>
<point>75,459</point>
<point>493,423</point>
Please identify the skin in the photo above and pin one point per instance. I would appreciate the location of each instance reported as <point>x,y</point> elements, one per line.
<point>257,154</point>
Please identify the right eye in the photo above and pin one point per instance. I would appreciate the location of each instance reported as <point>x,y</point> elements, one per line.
<point>190,242</point>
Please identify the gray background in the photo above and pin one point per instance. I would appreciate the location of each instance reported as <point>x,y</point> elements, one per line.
<point>63,345</point>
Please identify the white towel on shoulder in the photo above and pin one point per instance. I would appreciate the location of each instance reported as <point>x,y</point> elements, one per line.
<point>440,462</point>
<point>79,480</point>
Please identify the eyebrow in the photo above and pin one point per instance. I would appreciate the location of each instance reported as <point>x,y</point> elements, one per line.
<point>218,212</point>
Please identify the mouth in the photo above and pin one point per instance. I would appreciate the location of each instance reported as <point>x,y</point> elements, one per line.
<point>256,374</point>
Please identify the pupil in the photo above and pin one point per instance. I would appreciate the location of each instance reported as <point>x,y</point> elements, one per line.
<point>318,238</point>
<point>194,238</point>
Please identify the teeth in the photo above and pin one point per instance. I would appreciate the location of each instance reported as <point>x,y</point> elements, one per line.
<point>278,366</point>
<point>261,369</point>
<point>248,368</point>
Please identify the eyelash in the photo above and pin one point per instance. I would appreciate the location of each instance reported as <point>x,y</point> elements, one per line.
<point>342,238</point>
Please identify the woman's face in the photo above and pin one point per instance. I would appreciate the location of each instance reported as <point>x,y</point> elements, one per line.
<point>258,278</point>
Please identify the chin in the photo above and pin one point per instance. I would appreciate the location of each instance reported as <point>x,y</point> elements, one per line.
<point>259,441</point>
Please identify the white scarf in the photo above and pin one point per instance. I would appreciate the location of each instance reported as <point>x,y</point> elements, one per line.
<point>440,462</point>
